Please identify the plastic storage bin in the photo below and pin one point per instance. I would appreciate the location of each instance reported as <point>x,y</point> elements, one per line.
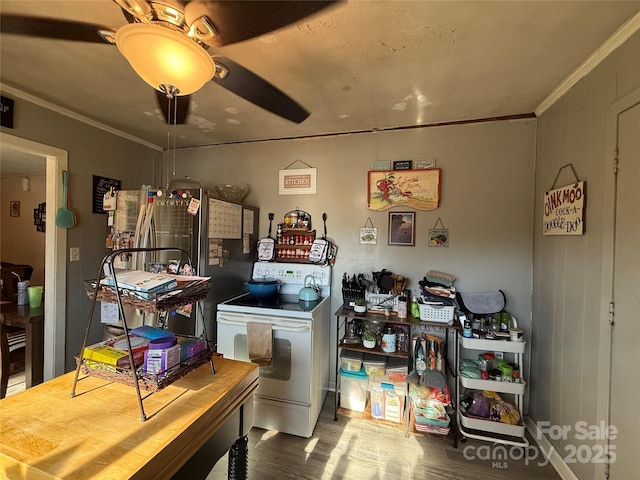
<point>397,369</point>
<point>353,390</point>
<point>374,364</point>
<point>351,361</point>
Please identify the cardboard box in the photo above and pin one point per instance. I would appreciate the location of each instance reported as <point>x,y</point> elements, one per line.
<point>190,347</point>
<point>160,360</point>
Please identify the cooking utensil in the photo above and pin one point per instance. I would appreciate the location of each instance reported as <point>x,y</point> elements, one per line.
<point>385,282</point>
<point>433,377</point>
<point>263,288</point>
<point>310,291</point>
<point>267,246</point>
<point>65,216</point>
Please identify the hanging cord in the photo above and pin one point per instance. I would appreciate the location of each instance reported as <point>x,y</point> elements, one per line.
<point>296,161</point>
<point>435,227</point>
<point>168,137</point>
<point>368,222</point>
<point>172,108</point>
<point>575,176</point>
<point>175,120</point>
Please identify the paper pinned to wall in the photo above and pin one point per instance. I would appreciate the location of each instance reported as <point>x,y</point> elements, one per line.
<point>225,219</point>
<point>109,313</point>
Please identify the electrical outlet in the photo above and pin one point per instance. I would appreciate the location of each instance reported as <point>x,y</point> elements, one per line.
<point>499,355</point>
<point>74,254</point>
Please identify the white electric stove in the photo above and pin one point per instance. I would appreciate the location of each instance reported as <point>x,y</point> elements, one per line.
<point>292,390</point>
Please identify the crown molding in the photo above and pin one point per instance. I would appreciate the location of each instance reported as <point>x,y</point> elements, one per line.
<point>75,116</point>
<point>620,36</point>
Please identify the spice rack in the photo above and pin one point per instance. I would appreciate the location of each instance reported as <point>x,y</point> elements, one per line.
<point>187,292</point>
<point>293,244</point>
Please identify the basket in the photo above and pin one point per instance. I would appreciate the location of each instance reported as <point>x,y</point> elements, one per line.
<point>187,292</point>
<point>436,313</point>
<point>425,416</point>
<point>146,381</point>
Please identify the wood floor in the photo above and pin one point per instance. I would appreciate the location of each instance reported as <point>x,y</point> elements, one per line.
<point>16,383</point>
<point>366,450</point>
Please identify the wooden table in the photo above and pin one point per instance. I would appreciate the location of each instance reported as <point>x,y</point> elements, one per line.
<point>32,320</point>
<point>45,434</point>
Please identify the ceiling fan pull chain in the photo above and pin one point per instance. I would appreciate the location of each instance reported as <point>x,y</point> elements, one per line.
<point>175,116</point>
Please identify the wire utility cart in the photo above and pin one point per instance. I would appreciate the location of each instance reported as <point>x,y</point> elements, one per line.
<point>186,292</point>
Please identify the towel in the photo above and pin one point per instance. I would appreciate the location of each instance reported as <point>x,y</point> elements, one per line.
<point>260,343</point>
<point>442,278</point>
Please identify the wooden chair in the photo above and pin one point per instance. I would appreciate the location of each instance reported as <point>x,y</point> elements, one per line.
<point>12,353</point>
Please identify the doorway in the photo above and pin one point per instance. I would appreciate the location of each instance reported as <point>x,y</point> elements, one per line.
<point>624,387</point>
<point>55,282</point>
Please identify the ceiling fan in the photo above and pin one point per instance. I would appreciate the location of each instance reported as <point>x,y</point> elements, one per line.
<point>156,28</point>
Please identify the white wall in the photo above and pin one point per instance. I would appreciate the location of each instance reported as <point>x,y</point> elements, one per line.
<point>486,200</point>
<point>567,270</point>
<point>20,241</point>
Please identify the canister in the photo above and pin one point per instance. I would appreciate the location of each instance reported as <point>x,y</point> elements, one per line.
<point>507,373</point>
<point>515,372</point>
<point>490,358</point>
<point>402,307</point>
<point>388,340</point>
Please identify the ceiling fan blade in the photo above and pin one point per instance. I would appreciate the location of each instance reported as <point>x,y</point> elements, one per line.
<point>176,108</point>
<point>238,21</point>
<point>258,91</point>
<point>54,28</point>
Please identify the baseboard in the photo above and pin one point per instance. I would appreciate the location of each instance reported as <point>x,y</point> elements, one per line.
<point>555,459</point>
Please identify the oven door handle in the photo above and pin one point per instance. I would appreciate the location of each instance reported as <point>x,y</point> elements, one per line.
<point>276,328</point>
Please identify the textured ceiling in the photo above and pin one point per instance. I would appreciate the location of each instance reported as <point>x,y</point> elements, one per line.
<point>358,66</point>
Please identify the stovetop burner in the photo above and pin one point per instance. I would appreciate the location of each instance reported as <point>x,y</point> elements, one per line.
<point>277,302</point>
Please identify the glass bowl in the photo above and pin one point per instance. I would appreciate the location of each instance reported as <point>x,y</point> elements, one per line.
<point>232,193</point>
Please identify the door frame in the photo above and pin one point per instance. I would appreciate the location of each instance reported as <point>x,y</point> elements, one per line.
<point>55,282</point>
<point>608,257</point>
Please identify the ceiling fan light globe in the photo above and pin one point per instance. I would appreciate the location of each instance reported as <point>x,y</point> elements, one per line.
<point>161,56</point>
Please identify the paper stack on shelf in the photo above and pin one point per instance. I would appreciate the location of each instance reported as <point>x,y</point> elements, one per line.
<point>141,281</point>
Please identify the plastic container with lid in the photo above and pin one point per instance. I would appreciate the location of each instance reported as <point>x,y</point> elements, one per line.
<point>397,369</point>
<point>374,364</point>
<point>353,390</point>
<point>350,360</point>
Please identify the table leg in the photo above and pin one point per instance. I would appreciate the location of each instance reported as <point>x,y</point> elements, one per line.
<point>238,459</point>
<point>34,353</point>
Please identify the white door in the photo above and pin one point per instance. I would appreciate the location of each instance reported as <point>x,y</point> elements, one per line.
<point>625,346</point>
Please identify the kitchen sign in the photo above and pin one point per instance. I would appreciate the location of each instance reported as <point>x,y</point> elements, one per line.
<point>564,210</point>
<point>297,181</point>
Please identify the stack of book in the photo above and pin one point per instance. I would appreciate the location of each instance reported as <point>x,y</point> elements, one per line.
<point>144,283</point>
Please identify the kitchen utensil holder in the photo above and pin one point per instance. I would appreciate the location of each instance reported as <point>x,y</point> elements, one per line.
<point>350,295</point>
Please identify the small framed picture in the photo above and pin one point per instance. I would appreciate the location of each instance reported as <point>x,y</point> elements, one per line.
<point>402,228</point>
<point>14,208</point>
<point>402,165</point>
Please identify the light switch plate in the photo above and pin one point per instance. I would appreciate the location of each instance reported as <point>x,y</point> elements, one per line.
<point>74,254</point>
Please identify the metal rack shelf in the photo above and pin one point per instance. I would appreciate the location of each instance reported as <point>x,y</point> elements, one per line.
<point>134,376</point>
